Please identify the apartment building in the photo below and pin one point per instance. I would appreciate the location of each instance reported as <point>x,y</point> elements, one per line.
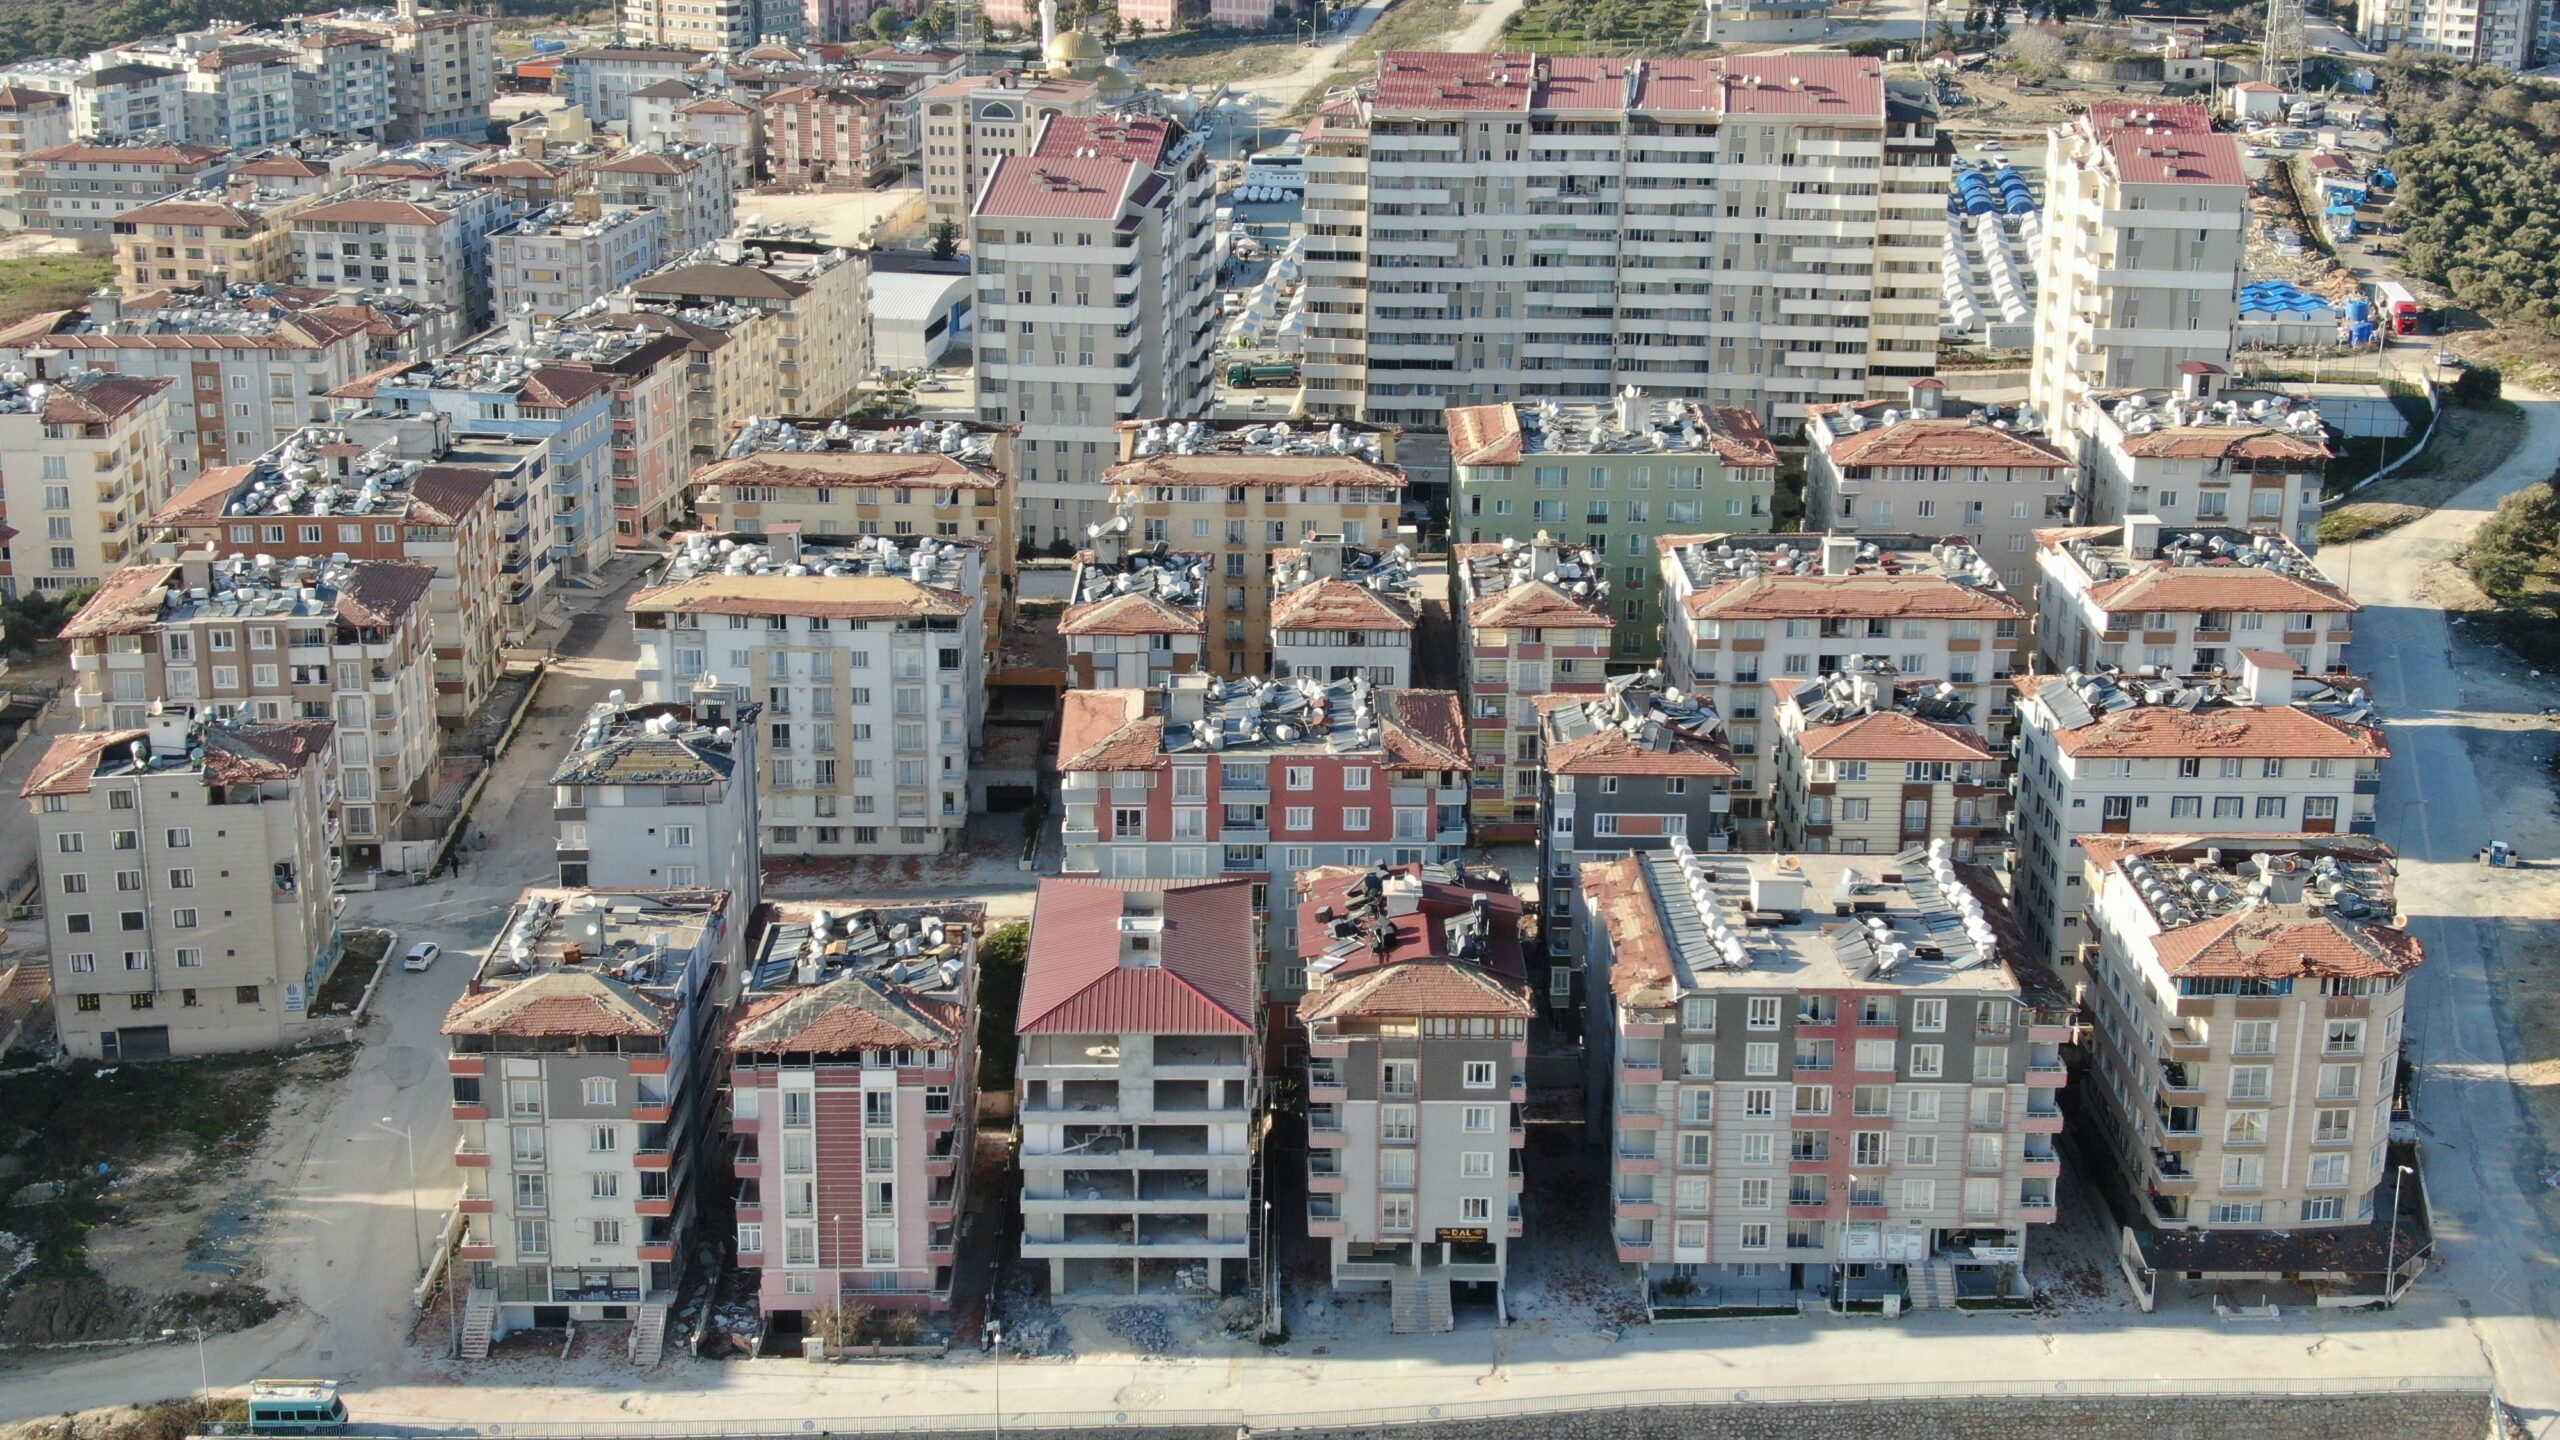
<point>1758,22</point>
<point>870,663</point>
<point>1959,469</point>
<point>311,165</point>
<point>342,82</point>
<point>1532,621</point>
<point>1869,766</point>
<point>1266,777</point>
<point>1933,609</point>
<point>328,492</point>
<point>853,1099</point>
<point>77,191</point>
<point>650,796</point>
<point>2184,601</point>
<point>732,363</point>
<point>82,466</point>
<point>1097,298</point>
<point>727,126</point>
<point>1138,1083</point>
<point>1624,772</point>
<point>586,1050</point>
<point>219,837</point>
<point>966,124</point>
<point>444,68</point>
<point>274,641</point>
<point>419,239</point>
<point>731,25</point>
<point>1767,299</point>
<point>1341,611</point>
<point>555,528</point>
<point>600,81</point>
<point>1626,473</point>
<point>236,95</point>
<point>2191,459</point>
<point>1135,617</point>
<point>107,101</point>
<point>568,256</point>
<point>1246,490</point>
<point>2110,753</point>
<point>229,236</point>
<point>2505,33</point>
<point>1417,1026</point>
<point>2145,221</point>
<point>947,479</point>
<point>814,295</point>
<point>692,187</point>
<point>831,135</point>
<point>1821,1074</point>
<point>644,462</point>
<point>30,121</point>
<point>244,377</point>
<point>2247,996</point>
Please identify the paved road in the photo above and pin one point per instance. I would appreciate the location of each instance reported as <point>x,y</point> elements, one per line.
<point>2501,1259</point>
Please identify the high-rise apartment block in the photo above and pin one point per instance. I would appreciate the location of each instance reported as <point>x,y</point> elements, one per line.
<point>1417,1081</point>
<point>692,187</point>
<point>1096,302</point>
<point>965,125</point>
<point>1752,231</point>
<point>1813,1069</point>
<point>2145,221</point>
<point>186,869</point>
<point>814,295</point>
<point>1617,476</point>
<point>418,239</point>
<point>731,25</point>
<point>869,657</point>
<point>1139,1081</point>
<point>444,68</point>
<point>2246,994</point>
<point>2111,753</point>
<point>2509,34</point>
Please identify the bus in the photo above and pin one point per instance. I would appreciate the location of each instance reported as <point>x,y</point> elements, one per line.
<point>295,1407</point>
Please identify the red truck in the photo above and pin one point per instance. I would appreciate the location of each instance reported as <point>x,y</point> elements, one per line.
<point>2397,308</point>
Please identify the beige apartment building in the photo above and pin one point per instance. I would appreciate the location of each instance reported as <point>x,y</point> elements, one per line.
<point>1750,614</point>
<point>1246,491</point>
<point>30,120</point>
<point>2184,600</point>
<point>2115,754</point>
<point>1136,616</point>
<point>732,369</point>
<point>1754,231</point>
<point>2247,993</point>
<point>966,125</point>
<point>1920,463</point>
<point>291,640</point>
<point>904,479</point>
<point>1532,621</point>
<point>2196,455</point>
<point>815,295</point>
<point>444,68</point>
<point>1096,301</point>
<point>1868,766</point>
<point>234,237</point>
<point>186,868</point>
<point>1340,611</point>
<point>82,467</point>
<point>2146,220</point>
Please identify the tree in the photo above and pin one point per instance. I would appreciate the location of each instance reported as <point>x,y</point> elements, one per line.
<point>886,26</point>
<point>944,239</point>
<point>1974,21</point>
<point>1137,28</point>
<point>1000,961</point>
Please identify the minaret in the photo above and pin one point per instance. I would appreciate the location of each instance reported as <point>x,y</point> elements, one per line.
<point>1048,26</point>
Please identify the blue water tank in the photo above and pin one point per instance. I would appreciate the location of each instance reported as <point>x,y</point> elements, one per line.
<point>2359,311</point>
<point>2362,333</point>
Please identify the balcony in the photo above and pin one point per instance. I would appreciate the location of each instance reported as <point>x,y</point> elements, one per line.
<point>1324,1083</point>
<point>2044,1120</point>
<point>2170,1175</point>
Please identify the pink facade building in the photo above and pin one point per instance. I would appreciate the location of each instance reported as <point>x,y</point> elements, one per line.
<point>1532,620</point>
<point>852,1104</point>
<point>820,135</point>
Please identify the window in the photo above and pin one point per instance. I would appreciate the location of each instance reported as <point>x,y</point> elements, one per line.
<point>1477,1119</point>
<point>604,1139</point>
<point>1476,1164</point>
<point>598,1090</point>
<point>1755,1235</point>
<point>1758,1149</point>
<point>1928,1062</point>
<point>2333,1127</point>
<point>2244,1172</point>
<point>1920,1150</point>
<point>1813,1100</point>
<point>1479,1075</point>
<point>2253,1037</point>
<point>751,1239</point>
<point>1697,1152</point>
<point>1759,1103</point>
<point>2244,1127</point>
<point>2251,1082</point>
<point>1919,1195</point>
<point>1475,1207</point>
<point>1395,1214</point>
<point>533,1238</point>
<point>1929,1016</point>
<point>604,1185</point>
<point>1763,1015</point>
<point>1698,1012</point>
<point>1756,1194</point>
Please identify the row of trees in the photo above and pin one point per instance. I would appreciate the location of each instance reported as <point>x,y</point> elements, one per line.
<point>2479,171</point>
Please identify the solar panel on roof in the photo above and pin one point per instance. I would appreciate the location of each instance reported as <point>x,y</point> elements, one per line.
<point>2069,710</point>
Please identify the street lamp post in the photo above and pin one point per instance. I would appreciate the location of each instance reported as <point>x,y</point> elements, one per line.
<point>995,1335</point>
<point>417,1247</point>
<point>204,1376</point>
<point>2391,1247</point>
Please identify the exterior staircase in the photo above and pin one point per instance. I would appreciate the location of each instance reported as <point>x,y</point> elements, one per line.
<point>1418,1302</point>
<point>479,1323</point>
<point>648,1334</point>
<point>1933,1286</point>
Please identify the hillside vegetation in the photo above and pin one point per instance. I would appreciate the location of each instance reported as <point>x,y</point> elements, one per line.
<point>62,27</point>
<point>2479,170</point>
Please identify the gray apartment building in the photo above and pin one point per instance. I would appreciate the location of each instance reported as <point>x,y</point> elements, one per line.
<point>1623,772</point>
<point>650,796</point>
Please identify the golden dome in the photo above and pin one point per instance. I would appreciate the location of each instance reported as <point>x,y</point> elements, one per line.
<point>1074,50</point>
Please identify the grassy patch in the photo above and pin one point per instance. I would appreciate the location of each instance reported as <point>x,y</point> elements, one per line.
<point>2355,522</point>
<point>1191,59</point>
<point>366,952</point>
<point>1407,25</point>
<point>38,283</point>
<point>2471,441</point>
<point>1608,27</point>
<point>1000,960</point>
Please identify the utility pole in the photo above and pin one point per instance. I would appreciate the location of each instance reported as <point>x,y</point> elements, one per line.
<point>2280,54</point>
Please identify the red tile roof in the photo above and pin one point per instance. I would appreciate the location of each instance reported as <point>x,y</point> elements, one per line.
<point>1419,989</point>
<point>2163,158</point>
<point>70,761</point>
<point>806,469</point>
<point>1943,443</point>
<point>2269,732</point>
<point>1810,597</point>
<point>1425,730</point>
<point>1340,605</point>
<point>1892,735</point>
<point>2225,442</point>
<point>1052,188</point>
<point>96,398</point>
<point>1145,140</point>
<point>1266,470</point>
<point>846,1014</point>
<point>836,597</point>
<point>184,156</point>
<point>1610,750</point>
<point>1131,615</point>
<point>1200,981</point>
<point>1484,435</point>
<point>576,1003</point>
<point>2278,942</point>
<point>1108,730</point>
<point>1820,85</point>
<point>1616,895</point>
<point>2191,589</point>
<point>1538,602</point>
<point>1421,935</point>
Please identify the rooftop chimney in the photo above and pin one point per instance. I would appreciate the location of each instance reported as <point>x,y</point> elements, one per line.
<point>2267,677</point>
<point>2142,536</point>
<point>1924,396</point>
<point>169,727</point>
<point>1779,889</point>
<point>1542,554</point>
<point>1631,410</point>
<point>1186,699</point>
<point>784,543</point>
<point>1839,554</point>
<point>1324,555</point>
